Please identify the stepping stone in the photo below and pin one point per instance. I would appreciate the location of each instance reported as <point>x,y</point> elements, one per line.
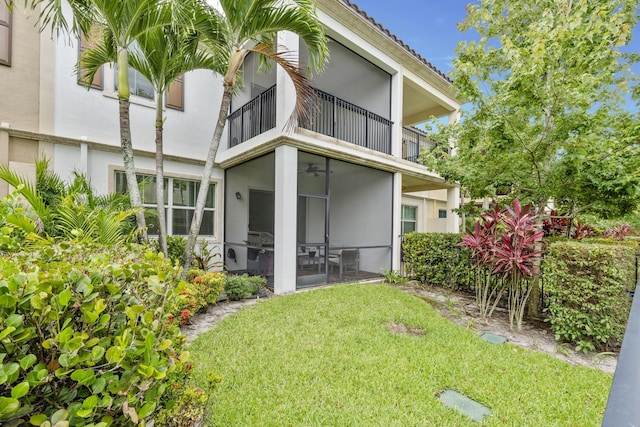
<point>465,405</point>
<point>493,338</point>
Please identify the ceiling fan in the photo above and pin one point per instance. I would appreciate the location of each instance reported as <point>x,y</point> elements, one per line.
<point>312,169</point>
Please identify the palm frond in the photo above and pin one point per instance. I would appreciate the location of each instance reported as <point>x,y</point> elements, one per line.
<point>26,189</point>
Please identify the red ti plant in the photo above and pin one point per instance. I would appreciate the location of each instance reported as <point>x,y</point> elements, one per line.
<point>555,224</point>
<point>515,255</point>
<point>481,240</point>
<point>503,247</point>
<point>619,232</point>
<point>581,231</point>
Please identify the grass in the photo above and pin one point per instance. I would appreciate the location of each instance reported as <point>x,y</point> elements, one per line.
<point>327,357</point>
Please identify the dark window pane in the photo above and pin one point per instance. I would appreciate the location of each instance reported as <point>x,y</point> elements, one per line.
<point>181,221</point>
<point>442,213</point>
<point>207,226</point>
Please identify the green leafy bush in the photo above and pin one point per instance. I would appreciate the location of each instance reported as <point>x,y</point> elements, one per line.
<point>238,287</point>
<point>175,247</point>
<point>587,286</point>
<point>84,338</point>
<point>436,259</point>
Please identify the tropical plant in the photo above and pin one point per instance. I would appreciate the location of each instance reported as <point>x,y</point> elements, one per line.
<point>163,54</point>
<point>481,240</point>
<point>619,232</point>
<point>581,231</point>
<point>504,242</point>
<point>114,28</point>
<point>246,26</point>
<point>67,211</point>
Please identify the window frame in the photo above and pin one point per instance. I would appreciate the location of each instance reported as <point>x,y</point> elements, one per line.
<point>404,220</point>
<point>169,203</point>
<point>442,213</point>
<point>9,25</point>
<point>98,78</point>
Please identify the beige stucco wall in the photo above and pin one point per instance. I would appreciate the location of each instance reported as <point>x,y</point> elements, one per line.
<point>427,204</point>
<point>20,83</point>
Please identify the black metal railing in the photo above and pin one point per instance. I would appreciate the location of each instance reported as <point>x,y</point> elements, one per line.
<point>622,405</point>
<point>253,118</point>
<point>415,142</point>
<point>340,119</point>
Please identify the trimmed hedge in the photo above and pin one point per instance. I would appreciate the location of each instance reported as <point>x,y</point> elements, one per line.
<point>587,286</point>
<point>436,259</point>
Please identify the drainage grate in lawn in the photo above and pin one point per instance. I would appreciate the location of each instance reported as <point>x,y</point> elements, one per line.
<point>469,407</point>
<point>493,338</point>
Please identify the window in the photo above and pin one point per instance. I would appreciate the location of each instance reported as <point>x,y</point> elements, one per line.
<point>442,213</point>
<point>179,199</point>
<point>138,84</point>
<point>175,94</point>
<point>5,35</point>
<point>97,82</point>
<point>408,221</point>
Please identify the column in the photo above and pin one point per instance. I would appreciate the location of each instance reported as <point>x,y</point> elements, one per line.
<point>4,155</point>
<point>397,229</point>
<point>453,202</point>
<point>285,210</point>
<point>396,114</point>
<point>285,90</point>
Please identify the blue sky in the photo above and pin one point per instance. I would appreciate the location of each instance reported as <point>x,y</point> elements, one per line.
<point>429,26</point>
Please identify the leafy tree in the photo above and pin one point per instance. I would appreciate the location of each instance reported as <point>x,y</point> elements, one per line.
<point>546,80</point>
<point>251,26</point>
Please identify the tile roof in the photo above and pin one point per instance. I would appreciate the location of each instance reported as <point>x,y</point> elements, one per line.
<point>393,37</point>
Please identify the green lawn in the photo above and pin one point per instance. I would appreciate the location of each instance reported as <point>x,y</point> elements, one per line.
<point>327,358</point>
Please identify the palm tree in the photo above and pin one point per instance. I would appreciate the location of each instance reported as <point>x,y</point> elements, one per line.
<point>118,24</point>
<point>251,26</point>
<point>164,54</point>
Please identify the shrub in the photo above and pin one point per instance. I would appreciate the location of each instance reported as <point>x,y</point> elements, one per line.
<point>238,287</point>
<point>83,334</point>
<point>201,290</point>
<point>184,403</point>
<point>587,286</point>
<point>436,259</point>
<point>175,248</point>
<point>394,277</point>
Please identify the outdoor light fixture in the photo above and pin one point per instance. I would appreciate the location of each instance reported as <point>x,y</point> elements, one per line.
<point>238,195</point>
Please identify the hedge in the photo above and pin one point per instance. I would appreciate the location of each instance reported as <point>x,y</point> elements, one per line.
<point>588,302</point>
<point>436,259</point>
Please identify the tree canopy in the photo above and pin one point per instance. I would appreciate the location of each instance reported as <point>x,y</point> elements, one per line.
<point>547,81</point>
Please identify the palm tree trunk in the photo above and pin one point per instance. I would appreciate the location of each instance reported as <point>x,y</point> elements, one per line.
<point>125,141</point>
<point>162,223</point>
<point>129,168</point>
<point>196,221</point>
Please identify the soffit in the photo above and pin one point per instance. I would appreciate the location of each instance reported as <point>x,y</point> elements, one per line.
<point>354,18</point>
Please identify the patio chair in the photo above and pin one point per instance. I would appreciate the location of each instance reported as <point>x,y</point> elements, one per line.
<point>345,259</point>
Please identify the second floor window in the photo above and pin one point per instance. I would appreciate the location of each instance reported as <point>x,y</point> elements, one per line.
<point>5,35</point>
<point>138,84</point>
<point>179,200</point>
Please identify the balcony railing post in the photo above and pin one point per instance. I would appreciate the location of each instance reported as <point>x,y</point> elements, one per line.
<point>335,117</point>
<point>260,112</point>
<point>366,130</point>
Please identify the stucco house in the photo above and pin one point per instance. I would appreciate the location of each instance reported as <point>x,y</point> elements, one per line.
<point>325,202</point>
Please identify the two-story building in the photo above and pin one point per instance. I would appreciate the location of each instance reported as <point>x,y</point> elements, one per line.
<point>325,202</point>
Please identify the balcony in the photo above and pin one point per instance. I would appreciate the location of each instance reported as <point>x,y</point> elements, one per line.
<point>414,142</point>
<point>253,118</point>
<point>331,116</point>
<point>343,120</point>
